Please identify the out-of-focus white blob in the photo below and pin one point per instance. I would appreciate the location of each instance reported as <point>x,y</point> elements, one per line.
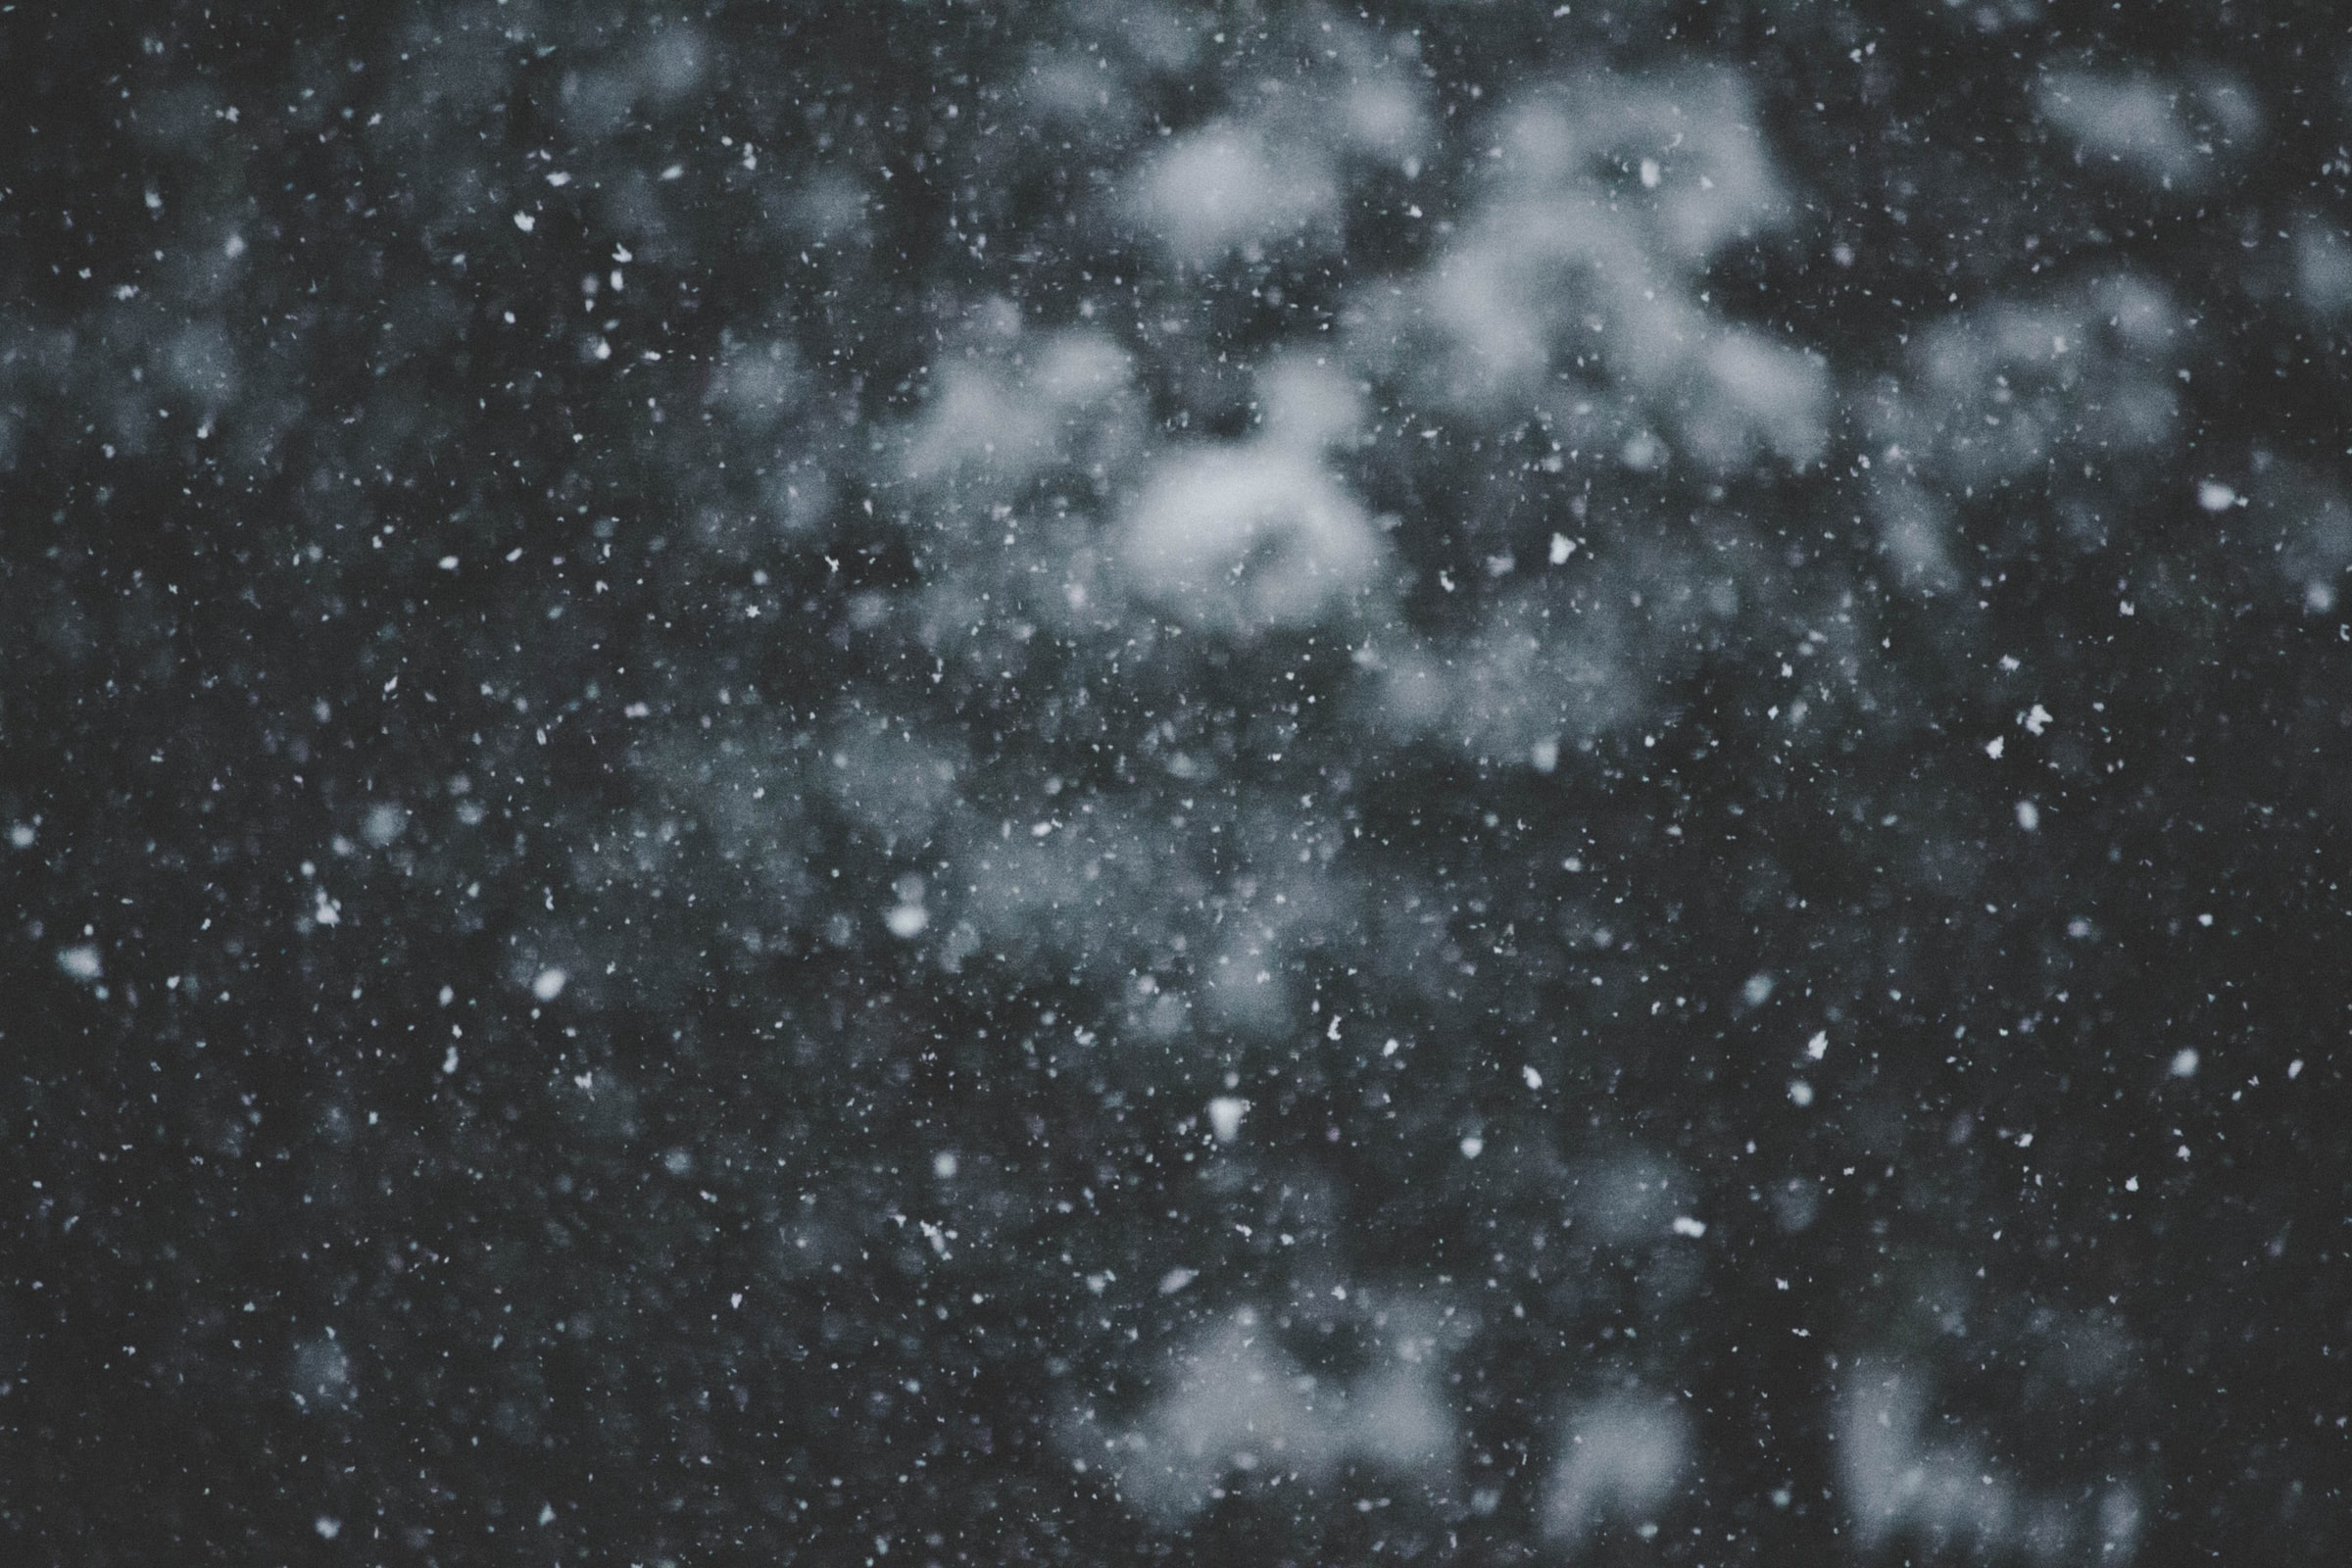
<point>1948,1494</point>
<point>1306,404</point>
<point>1227,187</point>
<point>1073,370</point>
<point>667,65</point>
<point>1091,85</point>
<point>386,822</point>
<point>1382,116</point>
<point>1008,415</point>
<point>2118,1524</point>
<point>1998,394</point>
<point>2315,529</point>
<point>672,63</point>
<point>1246,988</point>
<point>975,417</point>
<point>2323,266</point>
<point>829,204</point>
<point>1094,894</point>
<point>1523,679</point>
<point>757,384</point>
<point>1756,394</point>
<point>1620,1460</point>
<point>1581,267</point>
<point>1279,172</point>
<point>203,362</point>
<point>1248,538</point>
<point>1239,1407</point>
<point>1895,1481</point>
<point>1627,1198</point>
<point>2171,135</point>
<point>321,1376</point>
<point>2131,121</point>
<point>1604,135</point>
<point>1397,1420</point>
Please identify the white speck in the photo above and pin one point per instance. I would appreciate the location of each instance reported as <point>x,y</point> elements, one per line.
<point>550,984</point>
<point>1685,1225</point>
<point>525,222</point>
<point>603,350</point>
<point>1758,989</point>
<point>1649,173</point>
<point>2130,1183</point>
<point>2204,919</point>
<point>1176,1279</point>
<point>449,1062</point>
<point>1996,746</point>
<point>1039,830</point>
<point>2009,662</point>
<point>81,962</point>
<point>943,1164</point>
<point>2295,1070</point>
<point>546,1513</point>
<point>2029,815</point>
<point>559,179</point>
<point>735,1300</point>
<point>2126,606</point>
<point>1388,1050</point>
<point>2037,721</point>
<point>674,171</point>
<point>328,1528</point>
<point>1562,547</point>
<point>449,562</point>
<point>2215,496</point>
<point>1801,1091</point>
<point>2185,1062</point>
<point>906,920</point>
<point>1819,1046</point>
<point>1472,1146</point>
<point>328,911</point>
<point>1225,1113</point>
<point>233,246</point>
<point>1535,1079</point>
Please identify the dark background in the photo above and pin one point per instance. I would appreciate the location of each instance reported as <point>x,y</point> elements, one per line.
<point>273,345</point>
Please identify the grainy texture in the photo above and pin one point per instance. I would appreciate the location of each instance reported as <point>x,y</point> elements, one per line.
<point>953,784</point>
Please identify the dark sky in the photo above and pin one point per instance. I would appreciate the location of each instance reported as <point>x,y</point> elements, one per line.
<point>1468,783</point>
